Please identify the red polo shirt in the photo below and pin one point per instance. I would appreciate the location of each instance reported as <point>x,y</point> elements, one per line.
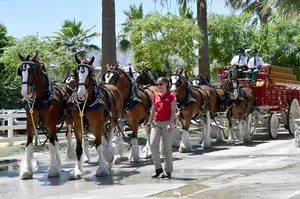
<point>163,105</point>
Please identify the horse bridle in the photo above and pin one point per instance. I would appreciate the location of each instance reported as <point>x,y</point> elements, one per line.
<point>81,67</point>
<point>230,80</point>
<point>116,75</point>
<point>33,66</point>
<point>180,78</point>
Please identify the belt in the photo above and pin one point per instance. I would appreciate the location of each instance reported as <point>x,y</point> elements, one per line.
<point>161,120</point>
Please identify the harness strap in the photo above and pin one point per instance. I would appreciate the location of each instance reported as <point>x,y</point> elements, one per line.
<point>219,97</point>
<point>60,101</point>
<point>202,98</point>
<point>208,99</point>
<point>105,91</point>
<point>189,97</point>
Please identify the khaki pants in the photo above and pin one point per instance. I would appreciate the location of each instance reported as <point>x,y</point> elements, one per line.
<point>159,128</point>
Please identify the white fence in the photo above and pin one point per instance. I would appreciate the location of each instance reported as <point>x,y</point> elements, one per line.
<point>7,125</point>
<point>8,116</point>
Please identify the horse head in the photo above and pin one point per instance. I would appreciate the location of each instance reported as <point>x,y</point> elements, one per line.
<point>70,83</point>
<point>232,88</point>
<point>196,81</point>
<point>138,74</point>
<point>30,70</point>
<point>143,77</point>
<point>177,81</point>
<point>84,77</point>
<point>116,76</point>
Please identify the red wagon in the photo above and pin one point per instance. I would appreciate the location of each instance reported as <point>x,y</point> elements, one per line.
<point>278,94</point>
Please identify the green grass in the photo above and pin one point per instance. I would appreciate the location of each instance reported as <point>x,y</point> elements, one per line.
<point>19,149</point>
<point>11,150</point>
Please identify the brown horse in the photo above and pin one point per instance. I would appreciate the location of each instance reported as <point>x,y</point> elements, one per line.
<point>241,103</point>
<point>199,80</point>
<point>136,112</point>
<point>192,104</point>
<point>69,87</point>
<point>97,109</point>
<point>216,105</point>
<point>44,106</point>
<point>142,77</point>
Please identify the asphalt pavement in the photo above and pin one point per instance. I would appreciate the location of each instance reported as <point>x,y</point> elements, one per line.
<point>263,169</point>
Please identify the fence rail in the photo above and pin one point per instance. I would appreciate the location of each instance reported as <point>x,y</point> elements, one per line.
<point>7,125</point>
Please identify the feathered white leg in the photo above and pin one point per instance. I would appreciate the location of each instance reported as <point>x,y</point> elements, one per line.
<point>26,169</point>
<point>71,154</point>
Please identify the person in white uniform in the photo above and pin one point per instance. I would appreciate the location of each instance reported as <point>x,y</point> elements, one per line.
<point>238,63</point>
<point>253,65</point>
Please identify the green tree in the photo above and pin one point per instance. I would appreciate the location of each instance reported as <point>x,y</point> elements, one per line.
<point>285,8</point>
<point>109,51</point>
<point>60,59</point>
<point>164,42</point>
<point>5,41</point>
<point>283,43</point>
<point>8,91</point>
<point>203,59</point>
<point>279,42</point>
<point>134,13</point>
<point>251,6</point>
<point>227,33</point>
<point>75,37</point>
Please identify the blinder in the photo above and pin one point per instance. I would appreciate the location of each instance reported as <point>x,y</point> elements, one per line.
<point>23,68</point>
<point>19,72</point>
<point>179,76</point>
<point>116,75</point>
<point>82,67</point>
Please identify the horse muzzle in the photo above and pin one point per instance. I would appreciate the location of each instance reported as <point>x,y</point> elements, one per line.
<point>27,91</point>
<point>173,88</point>
<point>82,93</point>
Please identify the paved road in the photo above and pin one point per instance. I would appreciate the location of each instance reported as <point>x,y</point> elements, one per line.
<point>264,169</point>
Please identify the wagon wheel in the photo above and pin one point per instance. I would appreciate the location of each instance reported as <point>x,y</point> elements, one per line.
<point>293,113</point>
<point>273,125</point>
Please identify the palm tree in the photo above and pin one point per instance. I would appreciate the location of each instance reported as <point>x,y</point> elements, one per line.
<point>132,14</point>
<point>203,51</point>
<point>108,34</point>
<point>202,23</point>
<point>286,8</point>
<point>252,6</point>
<point>75,37</point>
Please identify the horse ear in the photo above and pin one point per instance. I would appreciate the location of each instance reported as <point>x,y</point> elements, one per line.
<point>107,66</point>
<point>20,57</point>
<point>181,71</point>
<point>116,66</point>
<point>175,70</point>
<point>185,73</point>
<point>35,56</point>
<point>78,61</point>
<point>92,60</point>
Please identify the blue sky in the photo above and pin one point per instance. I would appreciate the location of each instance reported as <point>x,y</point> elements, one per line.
<point>46,16</point>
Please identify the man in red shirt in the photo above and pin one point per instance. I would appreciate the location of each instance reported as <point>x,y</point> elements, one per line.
<point>161,124</point>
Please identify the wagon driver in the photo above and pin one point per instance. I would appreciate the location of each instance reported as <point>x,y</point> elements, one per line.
<point>253,65</point>
<point>238,62</point>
